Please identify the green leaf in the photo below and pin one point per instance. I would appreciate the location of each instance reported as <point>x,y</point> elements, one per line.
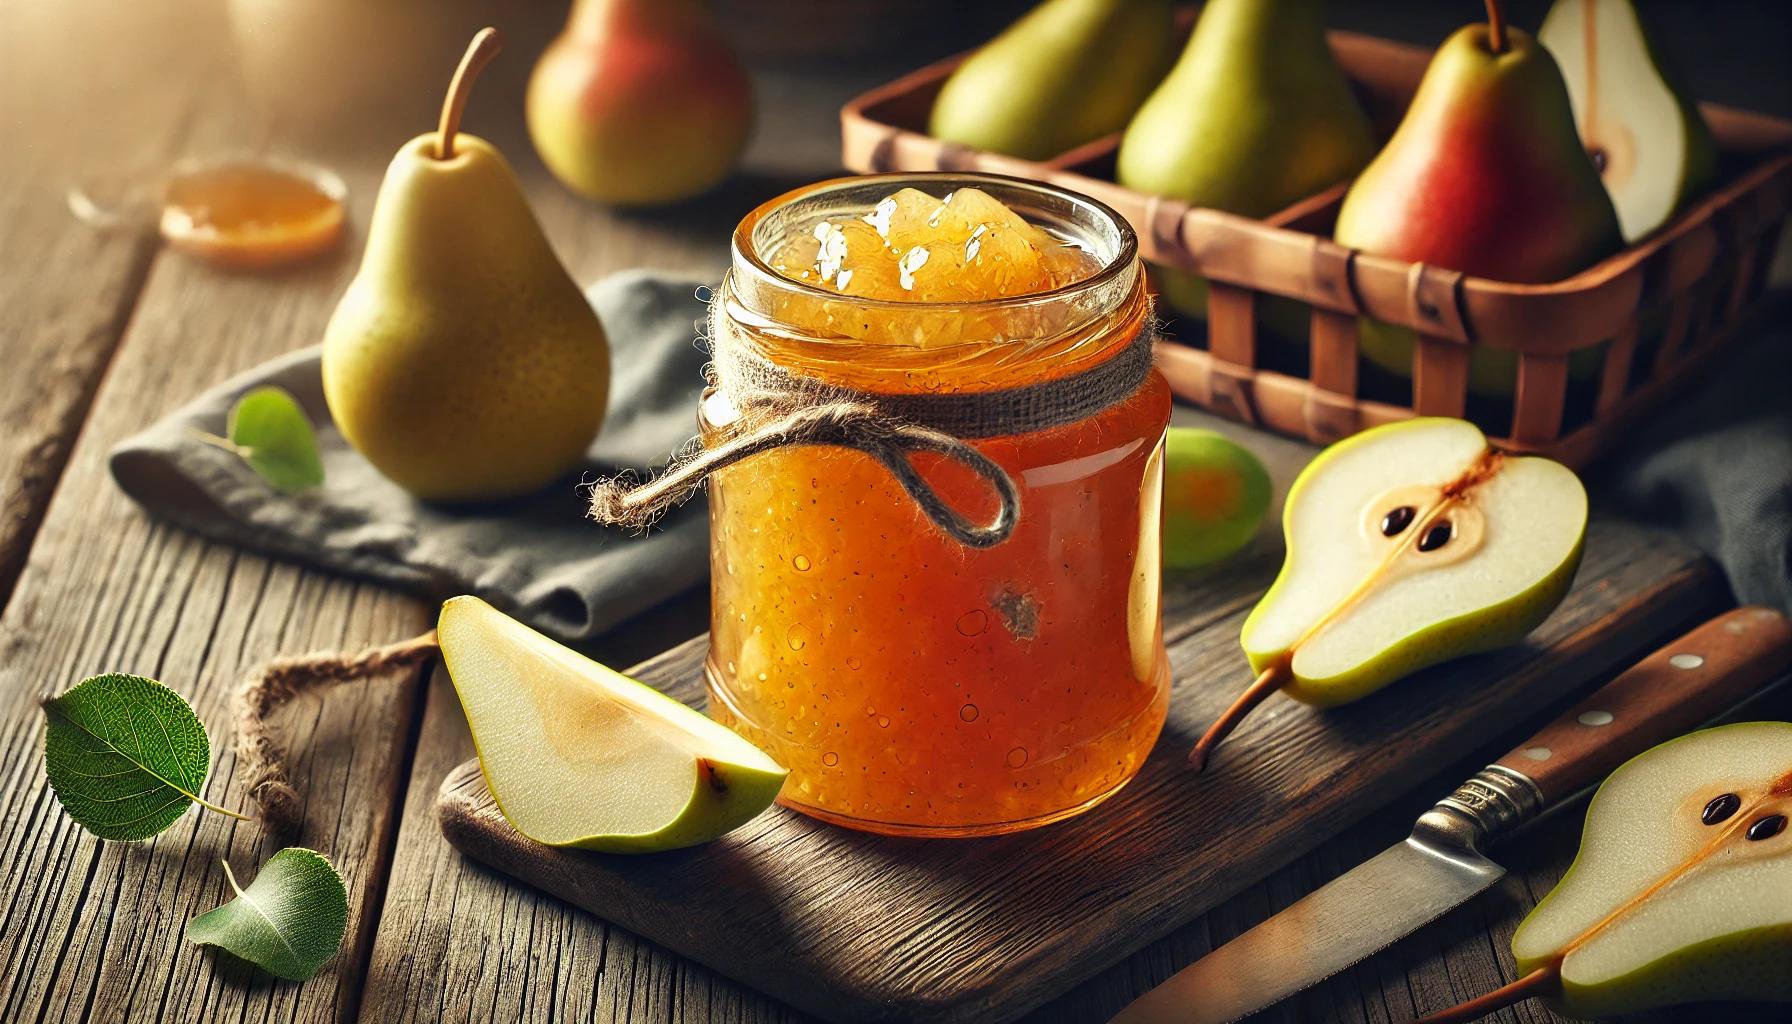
<point>125,755</point>
<point>273,435</point>
<point>290,920</point>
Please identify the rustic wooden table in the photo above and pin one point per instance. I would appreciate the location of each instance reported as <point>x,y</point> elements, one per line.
<point>100,333</point>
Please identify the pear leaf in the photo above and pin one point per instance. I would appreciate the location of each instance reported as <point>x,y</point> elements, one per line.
<point>289,922</point>
<point>273,435</point>
<point>125,755</point>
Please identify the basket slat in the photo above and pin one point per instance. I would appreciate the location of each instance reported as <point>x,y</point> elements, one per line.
<point>1440,376</point>
<point>1541,395</point>
<point>1614,373</point>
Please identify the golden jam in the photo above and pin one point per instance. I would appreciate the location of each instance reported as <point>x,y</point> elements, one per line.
<point>911,684</point>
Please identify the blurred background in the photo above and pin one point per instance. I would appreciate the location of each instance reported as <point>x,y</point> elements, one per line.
<point>110,92</point>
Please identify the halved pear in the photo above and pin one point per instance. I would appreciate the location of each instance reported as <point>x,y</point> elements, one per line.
<point>1682,890</point>
<point>1408,544</point>
<point>577,754</point>
<point>1652,147</point>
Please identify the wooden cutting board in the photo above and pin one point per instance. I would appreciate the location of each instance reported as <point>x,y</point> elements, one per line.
<point>855,927</point>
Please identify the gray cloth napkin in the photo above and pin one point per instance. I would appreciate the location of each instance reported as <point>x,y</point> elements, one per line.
<point>1715,466</point>
<point>538,558</point>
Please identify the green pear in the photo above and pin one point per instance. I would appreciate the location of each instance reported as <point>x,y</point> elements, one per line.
<point>1255,115</point>
<point>1215,495</point>
<point>1407,545</point>
<point>1642,128</point>
<point>1069,72</point>
<point>463,361</point>
<point>576,754</point>
<point>1682,889</point>
<point>1485,175</point>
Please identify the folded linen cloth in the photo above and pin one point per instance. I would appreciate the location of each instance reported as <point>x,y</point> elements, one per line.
<point>538,558</point>
<point>1715,466</point>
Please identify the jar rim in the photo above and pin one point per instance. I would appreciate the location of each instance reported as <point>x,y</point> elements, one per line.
<point>1124,260</point>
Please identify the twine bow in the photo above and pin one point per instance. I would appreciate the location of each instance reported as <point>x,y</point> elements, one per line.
<point>781,409</point>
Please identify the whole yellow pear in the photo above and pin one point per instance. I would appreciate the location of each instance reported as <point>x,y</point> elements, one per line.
<point>463,361</point>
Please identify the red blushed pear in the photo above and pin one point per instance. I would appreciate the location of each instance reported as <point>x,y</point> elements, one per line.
<point>640,102</point>
<point>1487,175</point>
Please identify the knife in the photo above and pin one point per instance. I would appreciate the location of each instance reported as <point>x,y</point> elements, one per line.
<point>1691,681</point>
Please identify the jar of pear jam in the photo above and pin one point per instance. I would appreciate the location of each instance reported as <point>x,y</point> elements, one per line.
<point>914,685</point>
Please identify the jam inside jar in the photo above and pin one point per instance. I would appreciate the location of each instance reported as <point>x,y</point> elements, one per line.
<point>914,685</point>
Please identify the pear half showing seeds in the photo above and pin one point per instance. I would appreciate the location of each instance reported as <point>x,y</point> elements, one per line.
<point>577,754</point>
<point>1408,544</point>
<point>1652,147</point>
<point>1682,890</point>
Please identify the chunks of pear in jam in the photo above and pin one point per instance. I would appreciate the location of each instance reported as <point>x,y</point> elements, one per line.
<point>912,247</point>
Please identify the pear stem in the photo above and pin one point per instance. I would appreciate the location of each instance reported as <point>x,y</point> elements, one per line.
<point>1532,984</point>
<point>1269,681</point>
<point>1496,26</point>
<point>480,51</point>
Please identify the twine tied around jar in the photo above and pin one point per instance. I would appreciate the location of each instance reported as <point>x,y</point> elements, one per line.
<point>781,409</point>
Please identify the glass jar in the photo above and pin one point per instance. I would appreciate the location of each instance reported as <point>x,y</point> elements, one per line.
<point>911,684</point>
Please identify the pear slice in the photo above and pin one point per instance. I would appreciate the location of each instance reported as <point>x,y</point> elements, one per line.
<point>1682,890</point>
<point>1652,148</point>
<point>577,754</point>
<point>1408,544</point>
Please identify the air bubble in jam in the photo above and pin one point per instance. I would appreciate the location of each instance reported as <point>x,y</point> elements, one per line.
<point>968,713</point>
<point>1017,757</point>
<point>830,759</point>
<point>973,622</point>
<point>800,563</point>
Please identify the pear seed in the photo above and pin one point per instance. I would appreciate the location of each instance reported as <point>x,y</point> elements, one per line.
<point>1720,808</point>
<point>1436,537</point>
<point>1767,827</point>
<point>1397,521</point>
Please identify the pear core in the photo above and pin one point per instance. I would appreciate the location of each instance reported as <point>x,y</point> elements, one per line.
<point>1484,547</point>
<point>1650,144</point>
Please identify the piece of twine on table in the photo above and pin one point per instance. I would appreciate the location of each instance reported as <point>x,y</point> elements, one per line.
<point>782,409</point>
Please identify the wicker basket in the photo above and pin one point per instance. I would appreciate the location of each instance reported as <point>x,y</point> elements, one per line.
<point>1659,308</point>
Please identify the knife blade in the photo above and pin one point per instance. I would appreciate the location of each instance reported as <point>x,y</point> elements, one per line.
<point>1440,866</point>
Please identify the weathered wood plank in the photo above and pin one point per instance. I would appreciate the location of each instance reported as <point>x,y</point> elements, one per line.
<point>96,929</point>
<point>853,927</point>
<point>67,290</point>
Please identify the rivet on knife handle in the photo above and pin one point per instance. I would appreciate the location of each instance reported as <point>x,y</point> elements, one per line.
<point>1678,688</point>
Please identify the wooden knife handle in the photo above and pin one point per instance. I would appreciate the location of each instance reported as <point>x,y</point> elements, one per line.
<point>1676,689</point>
